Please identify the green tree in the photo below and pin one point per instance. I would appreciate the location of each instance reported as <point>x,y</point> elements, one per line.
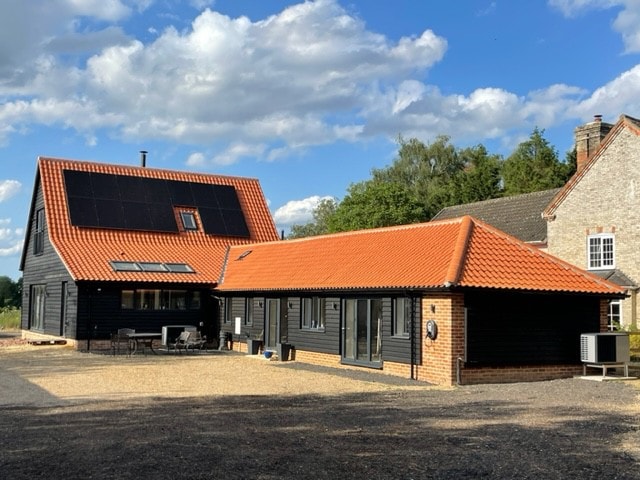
<point>375,203</point>
<point>320,224</point>
<point>482,176</point>
<point>10,292</point>
<point>16,299</point>
<point>533,166</point>
<point>431,172</point>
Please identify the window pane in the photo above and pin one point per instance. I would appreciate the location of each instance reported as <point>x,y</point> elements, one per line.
<point>248,317</point>
<point>375,330</point>
<point>38,294</point>
<point>174,299</point>
<point>188,220</point>
<point>614,315</point>
<point>601,251</point>
<point>306,308</point>
<point>195,301</point>
<point>128,300</point>
<point>148,299</point>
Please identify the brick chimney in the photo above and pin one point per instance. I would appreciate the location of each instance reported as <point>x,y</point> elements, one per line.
<point>588,138</point>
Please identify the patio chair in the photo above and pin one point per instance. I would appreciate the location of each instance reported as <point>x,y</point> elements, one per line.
<point>196,340</point>
<point>121,339</point>
<point>182,341</point>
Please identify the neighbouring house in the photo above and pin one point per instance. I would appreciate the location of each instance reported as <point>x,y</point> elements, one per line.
<point>594,220</point>
<point>114,246</point>
<point>451,301</point>
<point>517,215</point>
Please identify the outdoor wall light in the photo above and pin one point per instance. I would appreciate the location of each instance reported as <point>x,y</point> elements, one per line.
<point>290,304</point>
<point>335,305</point>
<point>433,308</point>
<point>260,304</point>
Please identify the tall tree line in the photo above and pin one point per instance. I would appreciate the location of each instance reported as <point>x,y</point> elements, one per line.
<point>424,178</point>
<point>10,292</point>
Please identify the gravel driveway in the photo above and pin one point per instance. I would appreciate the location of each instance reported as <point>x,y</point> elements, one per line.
<point>71,415</point>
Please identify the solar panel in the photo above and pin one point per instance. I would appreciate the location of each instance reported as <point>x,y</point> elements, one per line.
<point>204,195</point>
<point>180,193</point>
<point>235,223</point>
<point>137,216</point>
<point>156,191</point>
<point>227,197</point>
<point>132,189</point>
<point>163,219</point>
<point>139,203</point>
<point>105,186</point>
<point>110,213</point>
<point>82,212</point>
<point>78,182</point>
<point>212,221</point>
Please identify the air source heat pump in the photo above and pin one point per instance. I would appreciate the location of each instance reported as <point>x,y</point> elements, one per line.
<point>610,347</point>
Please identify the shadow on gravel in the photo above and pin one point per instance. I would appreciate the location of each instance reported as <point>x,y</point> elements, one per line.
<point>459,434</point>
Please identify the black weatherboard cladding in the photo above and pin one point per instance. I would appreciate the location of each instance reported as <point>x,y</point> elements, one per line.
<point>138,203</point>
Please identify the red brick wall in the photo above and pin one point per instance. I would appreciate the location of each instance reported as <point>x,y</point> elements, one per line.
<point>439,356</point>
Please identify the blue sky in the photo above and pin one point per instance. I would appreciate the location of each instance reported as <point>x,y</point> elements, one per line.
<point>307,97</point>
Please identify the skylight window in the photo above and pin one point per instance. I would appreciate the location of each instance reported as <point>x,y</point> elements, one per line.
<point>125,266</point>
<point>188,220</point>
<point>179,267</point>
<point>120,266</point>
<point>152,267</point>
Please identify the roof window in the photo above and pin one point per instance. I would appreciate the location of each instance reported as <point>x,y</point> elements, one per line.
<point>188,220</point>
<point>120,266</point>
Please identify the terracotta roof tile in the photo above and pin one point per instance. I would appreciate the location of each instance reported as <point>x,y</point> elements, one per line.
<point>461,252</point>
<point>87,252</point>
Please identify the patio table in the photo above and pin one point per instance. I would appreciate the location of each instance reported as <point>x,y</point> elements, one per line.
<point>144,338</point>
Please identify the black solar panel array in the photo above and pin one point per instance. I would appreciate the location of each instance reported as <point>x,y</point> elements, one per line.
<point>138,203</point>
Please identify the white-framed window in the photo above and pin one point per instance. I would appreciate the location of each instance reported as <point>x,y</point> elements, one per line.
<point>601,251</point>
<point>401,316</point>
<point>614,315</point>
<point>312,313</point>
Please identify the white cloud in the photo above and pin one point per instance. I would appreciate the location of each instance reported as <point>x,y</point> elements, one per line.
<point>235,88</point>
<point>236,151</point>
<point>196,159</point>
<point>13,249</point>
<point>298,78</point>
<point>627,23</point>
<point>9,188</point>
<point>297,212</point>
<point>572,8</point>
<point>621,95</point>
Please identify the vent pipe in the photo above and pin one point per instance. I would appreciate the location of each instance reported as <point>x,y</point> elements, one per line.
<point>143,158</point>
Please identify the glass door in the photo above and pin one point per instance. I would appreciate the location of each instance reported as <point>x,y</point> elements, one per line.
<point>272,323</point>
<point>362,331</point>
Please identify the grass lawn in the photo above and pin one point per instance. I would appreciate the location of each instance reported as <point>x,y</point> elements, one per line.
<point>9,319</point>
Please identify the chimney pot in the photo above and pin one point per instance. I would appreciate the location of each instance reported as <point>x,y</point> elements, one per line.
<point>143,158</point>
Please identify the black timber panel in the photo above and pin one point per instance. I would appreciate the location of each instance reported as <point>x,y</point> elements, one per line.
<point>505,328</point>
<point>48,270</point>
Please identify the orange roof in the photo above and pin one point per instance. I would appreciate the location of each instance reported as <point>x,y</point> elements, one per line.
<point>461,252</point>
<point>87,252</point>
<point>624,122</point>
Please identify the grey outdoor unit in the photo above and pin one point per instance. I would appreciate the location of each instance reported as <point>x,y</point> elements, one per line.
<point>609,347</point>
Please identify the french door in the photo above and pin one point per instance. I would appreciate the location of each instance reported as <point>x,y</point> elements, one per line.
<point>362,331</point>
<point>276,326</point>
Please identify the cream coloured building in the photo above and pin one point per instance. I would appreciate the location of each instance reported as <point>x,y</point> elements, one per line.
<point>593,222</point>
